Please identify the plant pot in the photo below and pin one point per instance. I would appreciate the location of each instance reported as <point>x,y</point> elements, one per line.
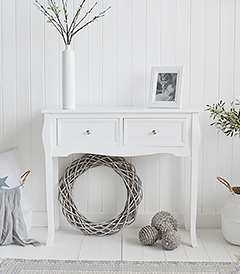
<point>68,78</point>
<point>230,215</point>
<point>27,209</point>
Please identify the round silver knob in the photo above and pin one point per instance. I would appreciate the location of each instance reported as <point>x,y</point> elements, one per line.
<point>88,132</point>
<point>154,132</point>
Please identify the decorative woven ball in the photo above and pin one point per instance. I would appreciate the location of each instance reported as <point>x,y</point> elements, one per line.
<point>148,235</point>
<point>163,227</point>
<point>171,239</point>
<point>164,221</point>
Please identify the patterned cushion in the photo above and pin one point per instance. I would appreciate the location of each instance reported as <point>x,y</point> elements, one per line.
<point>9,169</point>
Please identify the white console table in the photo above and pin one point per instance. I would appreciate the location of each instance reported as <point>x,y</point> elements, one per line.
<point>119,132</point>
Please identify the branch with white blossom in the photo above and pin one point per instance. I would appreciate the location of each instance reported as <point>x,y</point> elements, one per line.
<point>101,14</point>
<point>67,31</point>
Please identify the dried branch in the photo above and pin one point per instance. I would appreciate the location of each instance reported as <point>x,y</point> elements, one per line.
<point>101,14</point>
<point>75,18</point>
<point>67,31</point>
<point>86,14</point>
<point>52,18</point>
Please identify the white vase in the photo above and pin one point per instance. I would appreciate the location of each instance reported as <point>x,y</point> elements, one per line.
<point>68,78</point>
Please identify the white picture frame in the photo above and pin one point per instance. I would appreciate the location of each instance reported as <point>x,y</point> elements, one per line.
<point>166,87</point>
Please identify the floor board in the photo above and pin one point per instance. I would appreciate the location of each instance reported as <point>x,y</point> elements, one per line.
<point>133,250</point>
<point>198,254</point>
<point>101,248</point>
<point>231,249</point>
<point>70,244</point>
<point>213,245</point>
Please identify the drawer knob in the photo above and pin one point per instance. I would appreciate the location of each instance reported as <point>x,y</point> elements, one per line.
<point>88,132</point>
<point>154,132</point>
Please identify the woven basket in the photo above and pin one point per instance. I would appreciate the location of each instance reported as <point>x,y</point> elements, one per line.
<point>230,214</point>
<point>27,208</point>
<point>131,181</point>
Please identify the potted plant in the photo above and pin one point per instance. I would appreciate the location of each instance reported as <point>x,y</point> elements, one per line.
<point>228,121</point>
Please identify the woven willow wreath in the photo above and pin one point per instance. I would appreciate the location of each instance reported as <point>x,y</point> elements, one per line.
<point>131,181</point>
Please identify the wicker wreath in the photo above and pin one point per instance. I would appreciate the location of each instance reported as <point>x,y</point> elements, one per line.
<point>131,181</point>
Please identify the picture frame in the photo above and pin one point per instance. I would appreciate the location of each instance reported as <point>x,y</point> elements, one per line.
<point>166,87</point>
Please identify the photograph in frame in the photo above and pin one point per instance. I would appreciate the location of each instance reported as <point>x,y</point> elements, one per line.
<point>166,87</point>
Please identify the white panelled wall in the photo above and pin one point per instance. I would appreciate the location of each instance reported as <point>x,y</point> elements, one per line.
<point>114,57</point>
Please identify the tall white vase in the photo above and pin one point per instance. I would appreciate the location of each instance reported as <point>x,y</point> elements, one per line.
<point>68,78</point>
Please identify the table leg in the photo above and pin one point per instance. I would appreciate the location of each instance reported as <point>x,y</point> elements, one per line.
<point>193,202</point>
<point>190,201</point>
<point>196,137</point>
<point>187,178</point>
<point>49,199</point>
<point>55,192</point>
<point>51,178</point>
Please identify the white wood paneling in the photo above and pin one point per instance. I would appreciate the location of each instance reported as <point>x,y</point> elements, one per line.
<point>138,53</point>
<point>168,37</point>
<point>1,93</point>
<point>52,69</point>
<point>140,164</point>
<point>235,172</point>
<point>23,110</point>
<point>1,119</point>
<point>114,57</point>
<point>37,103</point>
<point>196,66</point>
<point>80,45</point>
<point>124,27</point>
<point>226,74</point>
<point>183,28</point>
<point>9,75</point>
<point>109,55</point>
<point>153,38</point>
<point>166,174</point>
<point>95,71</point>
<point>1,49</point>
<point>209,139</point>
<point>151,193</point>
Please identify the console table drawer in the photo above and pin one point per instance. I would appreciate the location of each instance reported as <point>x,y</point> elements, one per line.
<point>155,132</point>
<point>72,132</point>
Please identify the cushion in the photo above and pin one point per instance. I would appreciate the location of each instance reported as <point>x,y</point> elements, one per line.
<point>10,174</point>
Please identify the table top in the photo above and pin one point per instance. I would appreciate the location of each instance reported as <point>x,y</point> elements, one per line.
<point>119,110</point>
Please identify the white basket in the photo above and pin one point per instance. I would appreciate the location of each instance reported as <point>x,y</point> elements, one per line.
<point>27,208</point>
<point>230,215</point>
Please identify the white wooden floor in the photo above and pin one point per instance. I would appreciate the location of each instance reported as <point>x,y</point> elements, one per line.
<point>71,244</point>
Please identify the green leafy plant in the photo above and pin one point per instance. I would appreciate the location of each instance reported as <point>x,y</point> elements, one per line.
<point>67,29</point>
<point>227,121</point>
